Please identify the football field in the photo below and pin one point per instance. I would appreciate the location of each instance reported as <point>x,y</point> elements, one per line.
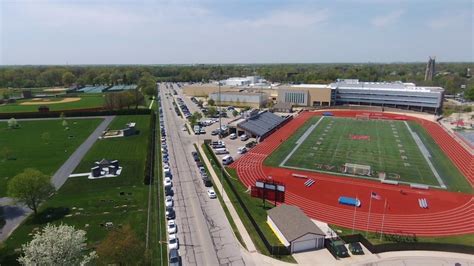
<point>381,149</point>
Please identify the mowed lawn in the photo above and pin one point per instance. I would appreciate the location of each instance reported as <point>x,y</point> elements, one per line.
<point>378,143</point>
<point>90,204</point>
<point>86,101</point>
<point>41,144</point>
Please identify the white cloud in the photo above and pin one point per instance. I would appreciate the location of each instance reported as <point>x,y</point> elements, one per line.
<point>387,19</point>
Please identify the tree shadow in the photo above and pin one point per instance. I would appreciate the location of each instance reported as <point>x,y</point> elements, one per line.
<point>50,215</point>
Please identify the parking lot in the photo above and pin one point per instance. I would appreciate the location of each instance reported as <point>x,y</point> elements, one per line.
<point>211,124</point>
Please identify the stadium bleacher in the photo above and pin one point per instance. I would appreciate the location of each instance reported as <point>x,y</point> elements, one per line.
<point>261,124</point>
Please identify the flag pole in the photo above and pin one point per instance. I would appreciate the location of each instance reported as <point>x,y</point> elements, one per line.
<point>383,218</point>
<point>354,218</point>
<point>368,218</point>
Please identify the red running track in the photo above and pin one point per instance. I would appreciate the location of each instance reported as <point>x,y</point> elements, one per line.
<point>449,213</point>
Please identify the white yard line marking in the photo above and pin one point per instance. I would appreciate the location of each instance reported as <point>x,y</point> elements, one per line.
<point>300,141</point>
<point>426,154</point>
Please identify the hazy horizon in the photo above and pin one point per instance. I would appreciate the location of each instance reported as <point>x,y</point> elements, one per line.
<point>211,32</point>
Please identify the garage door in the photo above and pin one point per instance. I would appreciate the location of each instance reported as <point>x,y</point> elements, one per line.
<point>298,246</point>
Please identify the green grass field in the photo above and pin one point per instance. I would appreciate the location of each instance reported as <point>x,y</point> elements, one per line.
<point>89,204</point>
<point>87,101</point>
<point>29,146</point>
<point>377,143</point>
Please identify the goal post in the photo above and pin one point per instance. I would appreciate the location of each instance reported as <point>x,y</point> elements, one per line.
<point>357,169</point>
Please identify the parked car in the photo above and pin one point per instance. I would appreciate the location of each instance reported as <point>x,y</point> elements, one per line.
<point>173,241</point>
<point>174,259</point>
<point>167,182</point>
<point>221,151</point>
<point>356,248</point>
<point>211,193</point>
<point>169,201</point>
<point>172,228</point>
<point>244,137</point>
<point>195,156</point>
<point>242,150</point>
<point>170,213</point>
<point>233,136</point>
<point>251,144</point>
<point>226,160</point>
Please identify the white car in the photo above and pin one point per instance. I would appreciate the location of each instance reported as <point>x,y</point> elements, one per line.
<point>173,242</point>
<point>166,168</point>
<point>242,150</point>
<point>169,201</point>
<point>211,193</point>
<point>172,228</point>
<point>233,136</point>
<point>167,182</point>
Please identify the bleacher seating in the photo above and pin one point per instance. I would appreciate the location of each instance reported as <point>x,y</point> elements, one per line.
<point>262,123</point>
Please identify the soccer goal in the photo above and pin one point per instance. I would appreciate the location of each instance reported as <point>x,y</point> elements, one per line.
<point>362,117</point>
<point>357,169</point>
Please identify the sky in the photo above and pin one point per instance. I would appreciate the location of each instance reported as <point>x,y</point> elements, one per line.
<point>234,31</point>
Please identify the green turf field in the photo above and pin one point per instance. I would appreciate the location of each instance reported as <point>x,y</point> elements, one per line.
<point>379,144</point>
<point>87,101</point>
<point>29,146</point>
<point>89,204</point>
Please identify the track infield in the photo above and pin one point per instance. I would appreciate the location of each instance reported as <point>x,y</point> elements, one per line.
<point>388,147</point>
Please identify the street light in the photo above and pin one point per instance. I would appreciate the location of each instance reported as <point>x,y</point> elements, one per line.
<point>220,134</point>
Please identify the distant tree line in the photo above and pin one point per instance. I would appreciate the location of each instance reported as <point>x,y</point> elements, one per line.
<point>449,75</point>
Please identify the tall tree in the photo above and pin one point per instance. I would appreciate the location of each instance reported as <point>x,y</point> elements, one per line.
<point>57,245</point>
<point>68,78</point>
<point>30,187</point>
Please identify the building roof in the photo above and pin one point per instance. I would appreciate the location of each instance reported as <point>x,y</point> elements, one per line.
<point>262,123</point>
<point>283,105</point>
<point>389,86</point>
<point>103,162</point>
<point>311,86</point>
<point>292,222</point>
<point>239,93</point>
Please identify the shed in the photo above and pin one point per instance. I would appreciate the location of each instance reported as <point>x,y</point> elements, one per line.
<point>294,229</point>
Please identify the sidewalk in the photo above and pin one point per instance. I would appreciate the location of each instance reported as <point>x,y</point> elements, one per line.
<point>240,226</point>
<point>251,252</point>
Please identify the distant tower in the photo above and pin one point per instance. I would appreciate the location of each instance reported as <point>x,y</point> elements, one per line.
<point>430,69</point>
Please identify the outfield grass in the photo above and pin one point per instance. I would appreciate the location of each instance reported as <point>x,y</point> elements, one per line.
<point>29,148</point>
<point>87,101</point>
<point>329,146</point>
<point>89,204</point>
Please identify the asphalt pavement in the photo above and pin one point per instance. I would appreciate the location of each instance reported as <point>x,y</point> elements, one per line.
<point>204,233</point>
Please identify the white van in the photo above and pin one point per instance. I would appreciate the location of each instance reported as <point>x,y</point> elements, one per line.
<point>227,160</point>
<point>244,137</point>
<point>221,151</point>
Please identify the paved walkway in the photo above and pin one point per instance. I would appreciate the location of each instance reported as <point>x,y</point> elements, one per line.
<point>15,213</point>
<point>62,174</point>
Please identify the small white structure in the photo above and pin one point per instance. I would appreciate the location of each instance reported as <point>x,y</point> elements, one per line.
<point>294,229</point>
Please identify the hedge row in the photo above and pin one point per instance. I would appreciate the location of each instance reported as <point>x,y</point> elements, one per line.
<point>76,113</point>
<point>150,155</point>
<point>411,245</point>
